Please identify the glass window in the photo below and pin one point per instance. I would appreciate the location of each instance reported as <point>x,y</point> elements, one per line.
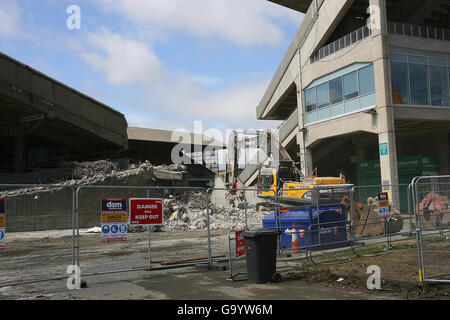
<point>310,99</point>
<point>350,85</point>
<point>418,81</point>
<point>323,99</point>
<point>400,91</point>
<point>336,90</point>
<point>439,86</point>
<point>366,80</point>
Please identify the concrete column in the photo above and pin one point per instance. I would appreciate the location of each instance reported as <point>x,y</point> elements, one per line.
<point>305,155</point>
<point>306,163</point>
<point>386,123</point>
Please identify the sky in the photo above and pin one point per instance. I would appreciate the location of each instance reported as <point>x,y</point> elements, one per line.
<point>164,64</point>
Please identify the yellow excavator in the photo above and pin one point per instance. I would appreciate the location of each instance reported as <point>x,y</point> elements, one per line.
<point>285,182</point>
<point>281,179</point>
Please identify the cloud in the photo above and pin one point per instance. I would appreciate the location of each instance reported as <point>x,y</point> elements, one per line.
<point>10,14</point>
<point>246,23</point>
<point>163,100</point>
<point>124,61</point>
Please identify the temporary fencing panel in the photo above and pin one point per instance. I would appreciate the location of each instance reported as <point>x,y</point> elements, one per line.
<point>37,240</point>
<point>432,221</point>
<point>184,217</point>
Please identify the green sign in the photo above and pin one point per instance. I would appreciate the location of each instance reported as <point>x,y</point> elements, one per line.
<point>384,151</point>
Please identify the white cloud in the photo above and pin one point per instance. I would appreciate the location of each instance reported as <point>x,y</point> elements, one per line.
<point>124,61</point>
<point>247,23</point>
<point>177,99</point>
<point>10,14</point>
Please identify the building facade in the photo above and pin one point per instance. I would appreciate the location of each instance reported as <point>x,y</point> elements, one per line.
<point>363,82</point>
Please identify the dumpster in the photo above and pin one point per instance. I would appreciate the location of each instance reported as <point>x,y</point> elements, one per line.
<point>261,255</point>
<point>330,234</point>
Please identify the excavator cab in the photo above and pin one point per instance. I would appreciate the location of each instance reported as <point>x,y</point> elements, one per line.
<point>268,186</point>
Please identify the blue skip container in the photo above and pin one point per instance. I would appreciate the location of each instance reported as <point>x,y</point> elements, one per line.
<point>330,234</point>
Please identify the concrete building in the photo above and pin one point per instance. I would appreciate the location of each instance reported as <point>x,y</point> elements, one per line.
<point>365,83</point>
<point>43,121</point>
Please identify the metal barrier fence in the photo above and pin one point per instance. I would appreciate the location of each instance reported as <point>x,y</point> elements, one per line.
<point>432,222</point>
<point>369,227</point>
<point>36,233</point>
<point>146,248</point>
<point>51,227</point>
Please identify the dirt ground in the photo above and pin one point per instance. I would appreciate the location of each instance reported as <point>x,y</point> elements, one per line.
<point>399,271</point>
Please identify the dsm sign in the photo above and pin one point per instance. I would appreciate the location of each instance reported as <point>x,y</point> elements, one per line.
<point>114,205</point>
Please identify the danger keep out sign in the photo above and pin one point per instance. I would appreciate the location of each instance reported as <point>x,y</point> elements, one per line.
<point>144,212</point>
<point>2,224</point>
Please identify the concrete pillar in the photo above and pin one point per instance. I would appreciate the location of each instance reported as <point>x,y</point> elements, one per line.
<point>386,124</point>
<point>306,163</point>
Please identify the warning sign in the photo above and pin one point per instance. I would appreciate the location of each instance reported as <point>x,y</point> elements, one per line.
<point>240,243</point>
<point>301,233</point>
<point>114,220</point>
<point>383,204</point>
<point>2,224</point>
<point>114,217</point>
<point>144,212</point>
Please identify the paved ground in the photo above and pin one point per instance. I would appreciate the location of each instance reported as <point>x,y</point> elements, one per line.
<point>191,283</point>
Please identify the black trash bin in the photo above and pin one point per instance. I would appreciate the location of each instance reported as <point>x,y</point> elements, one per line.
<point>261,255</point>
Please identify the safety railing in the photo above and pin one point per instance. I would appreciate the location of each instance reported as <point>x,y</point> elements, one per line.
<point>420,31</point>
<point>342,43</point>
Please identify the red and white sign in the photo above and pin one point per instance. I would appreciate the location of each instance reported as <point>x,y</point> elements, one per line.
<point>301,233</point>
<point>144,212</point>
<point>240,243</point>
<point>2,224</point>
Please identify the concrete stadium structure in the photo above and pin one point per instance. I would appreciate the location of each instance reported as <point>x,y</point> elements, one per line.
<point>364,80</point>
<point>44,122</point>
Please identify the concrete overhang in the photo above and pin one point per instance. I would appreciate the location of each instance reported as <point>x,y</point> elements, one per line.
<point>297,5</point>
<point>26,92</point>
<point>172,137</point>
<point>161,146</point>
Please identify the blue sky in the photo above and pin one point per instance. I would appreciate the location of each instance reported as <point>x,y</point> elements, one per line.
<point>163,63</point>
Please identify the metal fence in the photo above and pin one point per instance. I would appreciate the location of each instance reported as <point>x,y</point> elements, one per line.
<point>38,233</point>
<point>51,227</point>
<point>432,222</point>
<point>146,248</point>
<point>421,31</point>
<point>342,43</point>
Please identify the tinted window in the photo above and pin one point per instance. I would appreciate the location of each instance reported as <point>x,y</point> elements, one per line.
<point>418,81</point>
<point>439,86</point>
<point>310,100</point>
<point>400,91</point>
<point>366,80</point>
<point>336,90</point>
<point>350,85</point>
<point>323,99</point>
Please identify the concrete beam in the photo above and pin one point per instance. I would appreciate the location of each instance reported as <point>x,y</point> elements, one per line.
<point>28,86</point>
<point>297,5</point>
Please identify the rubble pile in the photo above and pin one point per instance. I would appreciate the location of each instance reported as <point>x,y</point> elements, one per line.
<point>188,212</point>
<point>94,173</point>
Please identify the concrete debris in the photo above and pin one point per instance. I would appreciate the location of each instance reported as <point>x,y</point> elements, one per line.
<point>94,230</point>
<point>105,172</point>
